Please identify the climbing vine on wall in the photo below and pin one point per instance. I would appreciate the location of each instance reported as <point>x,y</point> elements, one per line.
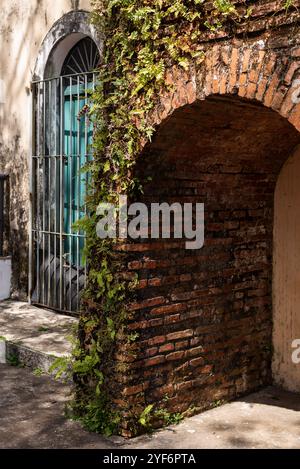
<point>142,40</point>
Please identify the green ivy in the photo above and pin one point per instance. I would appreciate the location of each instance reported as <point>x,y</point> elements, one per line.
<point>143,39</point>
<point>288,4</point>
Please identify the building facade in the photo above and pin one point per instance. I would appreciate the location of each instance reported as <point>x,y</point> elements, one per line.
<point>212,324</point>
<point>37,39</point>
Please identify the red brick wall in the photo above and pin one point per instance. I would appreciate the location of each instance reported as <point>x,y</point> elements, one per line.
<point>204,317</point>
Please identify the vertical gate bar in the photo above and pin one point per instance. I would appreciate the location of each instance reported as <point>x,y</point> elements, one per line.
<point>71,195</point>
<point>56,151</point>
<point>78,168</point>
<point>49,188</point>
<point>38,201</point>
<point>86,159</point>
<point>94,82</point>
<point>31,200</point>
<point>61,195</point>
<point>44,189</point>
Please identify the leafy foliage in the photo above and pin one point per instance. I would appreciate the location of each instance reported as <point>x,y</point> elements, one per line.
<point>288,4</point>
<point>145,416</point>
<point>143,39</point>
<point>13,360</point>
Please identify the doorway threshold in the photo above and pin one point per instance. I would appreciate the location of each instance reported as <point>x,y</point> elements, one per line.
<point>33,337</point>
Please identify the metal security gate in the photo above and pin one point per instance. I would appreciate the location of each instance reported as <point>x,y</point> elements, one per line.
<point>62,136</point>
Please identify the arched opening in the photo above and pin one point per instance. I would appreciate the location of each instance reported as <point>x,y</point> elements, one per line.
<point>206,315</point>
<point>62,37</point>
<point>61,148</point>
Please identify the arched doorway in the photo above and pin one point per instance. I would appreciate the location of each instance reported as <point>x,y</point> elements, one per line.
<point>62,137</point>
<point>205,316</point>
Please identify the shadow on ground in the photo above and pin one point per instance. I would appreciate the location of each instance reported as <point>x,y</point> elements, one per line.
<point>32,416</point>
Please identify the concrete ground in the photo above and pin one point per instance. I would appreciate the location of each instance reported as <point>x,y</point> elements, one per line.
<point>31,416</point>
<point>33,336</point>
<point>35,328</point>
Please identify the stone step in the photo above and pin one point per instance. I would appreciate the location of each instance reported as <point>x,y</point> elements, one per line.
<point>33,337</point>
<point>19,355</point>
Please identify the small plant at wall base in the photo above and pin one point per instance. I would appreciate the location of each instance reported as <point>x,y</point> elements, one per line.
<point>143,40</point>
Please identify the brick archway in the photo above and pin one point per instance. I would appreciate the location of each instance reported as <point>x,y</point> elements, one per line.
<point>253,72</point>
<point>205,319</point>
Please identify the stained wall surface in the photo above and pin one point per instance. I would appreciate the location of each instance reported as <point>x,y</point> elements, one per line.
<point>23,27</point>
<point>286,284</point>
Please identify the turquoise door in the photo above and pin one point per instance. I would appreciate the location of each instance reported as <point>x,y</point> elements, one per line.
<point>78,134</point>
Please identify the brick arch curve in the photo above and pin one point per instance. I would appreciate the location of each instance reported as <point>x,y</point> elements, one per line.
<point>252,72</point>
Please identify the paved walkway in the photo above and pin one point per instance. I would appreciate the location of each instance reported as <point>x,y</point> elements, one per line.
<point>35,328</point>
<point>33,336</point>
<point>31,416</point>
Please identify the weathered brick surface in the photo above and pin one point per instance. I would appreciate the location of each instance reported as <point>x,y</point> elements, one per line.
<point>204,317</point>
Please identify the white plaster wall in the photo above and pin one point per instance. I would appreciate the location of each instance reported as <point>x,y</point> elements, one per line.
<point>2,351</point>
<point>286,282</point>
<point>5,278</point>
<point>23,26</point>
